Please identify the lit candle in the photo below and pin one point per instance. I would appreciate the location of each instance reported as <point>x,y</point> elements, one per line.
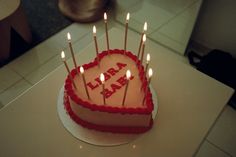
<point>96,44</point>
<point>147,63</point>
<point>126,31</point>
<point>102,79</point>
<point>72,52</point>
<point>105,21</point>
<point>128,75</point>
<point>67,68</point>
<point>82,73</point>
<point>140,44</point>
<point>143,47</point>
<point>150,73</point>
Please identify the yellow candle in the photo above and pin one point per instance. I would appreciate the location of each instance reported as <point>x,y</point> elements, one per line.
<point>140,44</point>
<point>67,68</point>
<point>72,52</point>
<point>106,29</point>
<point>143,47</point>
<point>128,75</point>
<point>126,31</point>
<point>147,63</point>
<point>96,44</point>
<point>150,73</point>
<point>83,77</point>
<point>102,79</point>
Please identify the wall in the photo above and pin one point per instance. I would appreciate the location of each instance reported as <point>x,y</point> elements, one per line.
<point>216,25</point>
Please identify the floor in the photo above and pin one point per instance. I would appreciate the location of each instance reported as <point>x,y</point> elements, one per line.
<point>25,71</point>
<point>36,11</point>
<point>170,23</point>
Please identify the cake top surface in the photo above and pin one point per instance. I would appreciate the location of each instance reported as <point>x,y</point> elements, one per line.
<point>114,67</point>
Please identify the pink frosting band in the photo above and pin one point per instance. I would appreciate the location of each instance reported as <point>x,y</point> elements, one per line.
<point>103,128</point>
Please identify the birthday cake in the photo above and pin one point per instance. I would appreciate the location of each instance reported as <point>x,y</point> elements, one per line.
<point>104,108</point>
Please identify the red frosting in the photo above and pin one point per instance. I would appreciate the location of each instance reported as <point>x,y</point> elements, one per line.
<point>106,108</point>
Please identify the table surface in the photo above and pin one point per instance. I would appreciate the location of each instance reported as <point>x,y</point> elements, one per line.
<point>8,7</point>
<point>189,103</point>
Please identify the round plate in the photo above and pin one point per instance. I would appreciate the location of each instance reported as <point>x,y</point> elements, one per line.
<point>96,137</point>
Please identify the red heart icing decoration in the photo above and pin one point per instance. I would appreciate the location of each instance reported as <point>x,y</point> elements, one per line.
<point>114,84</point>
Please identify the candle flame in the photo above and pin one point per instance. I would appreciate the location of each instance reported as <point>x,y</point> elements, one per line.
<point>63,55</point>
<point>68,36</point>
<point>94,29</point>
<point>150,72</point>
<point>148,57</point>
<point>102,77</point>
<point>127,17</point>
<point>81,69</point>
<point>128,74</point>
<point>105,16</point>
<point>145,26</point>
<point>144,37</point>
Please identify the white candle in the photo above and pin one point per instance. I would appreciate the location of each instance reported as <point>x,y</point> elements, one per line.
<point>106,29</point>
<point>84,81</point>
<point>126,31</point>
<point>128,75</point>
<point>67,68</point>
<point>143,47</point>
<point>140,44</point>
<point>102,79</point>
<point>72,52</point>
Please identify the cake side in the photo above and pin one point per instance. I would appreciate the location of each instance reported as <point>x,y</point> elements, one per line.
<point>104,128</point>
<point>111,119</point>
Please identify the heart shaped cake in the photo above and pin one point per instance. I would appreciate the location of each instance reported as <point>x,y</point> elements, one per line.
<point>134,116</point>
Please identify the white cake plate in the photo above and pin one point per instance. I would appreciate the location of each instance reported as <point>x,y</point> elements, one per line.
<point>96,137</point>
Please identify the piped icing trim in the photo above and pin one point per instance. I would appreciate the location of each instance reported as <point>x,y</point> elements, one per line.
<point>103,128</point>
<point>105,108</point>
